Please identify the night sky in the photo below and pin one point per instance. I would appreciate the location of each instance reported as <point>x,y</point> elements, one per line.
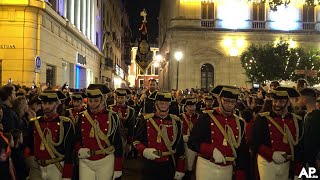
<point>134,7</point>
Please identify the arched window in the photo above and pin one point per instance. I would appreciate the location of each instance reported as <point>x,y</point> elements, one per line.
<point>207,73</point>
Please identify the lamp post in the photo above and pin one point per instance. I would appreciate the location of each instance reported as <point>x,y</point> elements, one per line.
<point>178,56</point>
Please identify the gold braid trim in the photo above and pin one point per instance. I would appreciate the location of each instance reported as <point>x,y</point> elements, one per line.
<point>235,143</point>
<point>189,123</point>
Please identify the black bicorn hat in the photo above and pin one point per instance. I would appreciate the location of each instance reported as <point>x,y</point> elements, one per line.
<point>97,90</point>
<point>284,93</point>
<point>163,96</point>
<point>78,96</point>
<point>122,91</point>
<point>52,96</point>
<point>191,101</point>
<point>231,92</point>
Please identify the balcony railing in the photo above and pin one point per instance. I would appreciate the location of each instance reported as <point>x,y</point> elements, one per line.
<point>258,24</point>
<point>308,26</point>
<point>207,23</point>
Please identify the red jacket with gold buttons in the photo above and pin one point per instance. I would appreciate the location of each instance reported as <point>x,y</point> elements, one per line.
<point>186,119</point>
<point>266,138</point>
<point>206,136</point>
<point>86,138</point>
<point>127,119</point>
<point>53,125</point>
<point>147,137</point>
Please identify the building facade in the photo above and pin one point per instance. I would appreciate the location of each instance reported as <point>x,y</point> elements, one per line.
<point>138,78</point>
<point>51,42</point>
<point>116,43</point>
<point>212,34</point>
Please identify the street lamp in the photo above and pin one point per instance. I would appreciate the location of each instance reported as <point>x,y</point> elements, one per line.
<point>178,56</point>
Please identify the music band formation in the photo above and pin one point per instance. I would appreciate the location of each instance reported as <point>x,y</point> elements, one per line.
<point>215,136</point>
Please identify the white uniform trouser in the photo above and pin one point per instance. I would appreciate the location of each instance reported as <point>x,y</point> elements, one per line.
<point>101,169</point>
<point>50,172</point>
<point>206,170</point>
<point>272,171</point>
<point>34,173</point>
<point>190,157</point>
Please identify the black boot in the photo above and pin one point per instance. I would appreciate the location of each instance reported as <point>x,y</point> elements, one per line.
<point>187,175</point>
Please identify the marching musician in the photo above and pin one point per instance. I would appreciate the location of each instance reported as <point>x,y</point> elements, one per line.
<point>275,137</point>
<point>53,140</point>
<point>159,140</point>
<point>189,118</point>
<point>99,140</point>
<point>218,138</point>
<point>126,116</point>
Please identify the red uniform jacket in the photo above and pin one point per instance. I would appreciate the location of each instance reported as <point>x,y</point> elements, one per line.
<point>147,137</point>
<point>266,138</point>
<point>192,119</point>
<point>206,136</point>
<point>66,148</point>
<point>88,140</point>
<point>127,119</point>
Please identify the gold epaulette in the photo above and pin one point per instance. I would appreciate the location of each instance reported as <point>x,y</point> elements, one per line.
<point>64,119</point>
<point>175,117</point>
<point>36,118</point>
<point>208,111</point>
<point>69,109</point>
<point>297,116</point>
<point>264,114</point>
<point>147,116</point>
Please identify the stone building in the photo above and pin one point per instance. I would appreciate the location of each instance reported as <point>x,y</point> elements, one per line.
<point>212,34</point>
<point>50,42</point>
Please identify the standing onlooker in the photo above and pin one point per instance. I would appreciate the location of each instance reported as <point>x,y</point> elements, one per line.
<point>17,156</point>
<point>10,118</point>
<point>1,117</point>
<point>311,128</point>
<point>4,157</point>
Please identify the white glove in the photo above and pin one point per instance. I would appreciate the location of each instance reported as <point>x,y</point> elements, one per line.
<point>178,175</point>
<point>148,153</point>
<point>117,174</point>
<point>185,138</point>
<point>83,153</point>
<point>278,158</point>
<point>218,156</point>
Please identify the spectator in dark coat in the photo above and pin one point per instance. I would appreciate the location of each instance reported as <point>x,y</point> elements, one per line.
<point>10,118</point>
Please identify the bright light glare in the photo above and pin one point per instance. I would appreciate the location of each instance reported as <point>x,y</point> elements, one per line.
<point>285,18</point>
<point>156,64</point>
<point>228,42</point>
<point>158,57</point>
<point>234,52</point>
<point>178,55</point>
<point>239,16</point>
<point>240,43</point>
